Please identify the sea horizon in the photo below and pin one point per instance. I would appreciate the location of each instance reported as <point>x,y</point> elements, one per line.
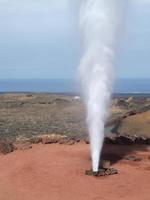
<point>121,86</point>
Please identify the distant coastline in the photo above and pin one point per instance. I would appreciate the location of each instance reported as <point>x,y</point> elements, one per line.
<point>123,87</point>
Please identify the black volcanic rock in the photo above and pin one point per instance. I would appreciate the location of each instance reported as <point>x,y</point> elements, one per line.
<point>6,146</point>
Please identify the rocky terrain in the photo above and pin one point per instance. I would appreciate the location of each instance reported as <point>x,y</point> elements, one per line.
<point>27,118</point>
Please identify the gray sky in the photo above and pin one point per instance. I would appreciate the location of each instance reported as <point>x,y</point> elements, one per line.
<point>40,39</point>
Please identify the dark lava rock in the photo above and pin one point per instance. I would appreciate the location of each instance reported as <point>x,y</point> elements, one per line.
<point>110,139</point>
<point>36,139</point>
<point>148,141</point>
<point>101,172</point>
<point>105,164</point>
<point>141,140</point>
<point>104,170</point>
<point>63,141</point>
<point>71,142</point>
<point>67,141</point>
<point>133,158</point>
<point>124,140</point>
<point>23,144</point>
<point>6,147</point>
<point>119,139</point>
<point>77,140</point>
<point>52,138</point>
<point>87,141</point>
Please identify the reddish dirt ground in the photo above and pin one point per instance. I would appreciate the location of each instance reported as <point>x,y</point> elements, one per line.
<point>56,172</point>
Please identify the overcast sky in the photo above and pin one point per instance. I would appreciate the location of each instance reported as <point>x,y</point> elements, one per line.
<point>40,39</point>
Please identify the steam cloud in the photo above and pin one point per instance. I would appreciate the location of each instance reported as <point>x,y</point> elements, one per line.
<point>99,23</point>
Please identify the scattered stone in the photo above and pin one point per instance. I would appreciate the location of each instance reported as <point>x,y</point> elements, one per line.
<point>102,172</point>
<point>22,144</point>
<point>141,140</point>
<point>71,142</point>
<point>110,139</point>
<point>67,141</point>
<point>63,141</point>
<point>36,139</point>
<point>105,164</point>
<point>90,173</point>
<point>133,158</point>
<point>87,141</point>
<point>77,140</point>
<point>148,141</point>
<point>124,140</point>
<point>82,141</point>
<point>51,138</point>
<point>6,147</point>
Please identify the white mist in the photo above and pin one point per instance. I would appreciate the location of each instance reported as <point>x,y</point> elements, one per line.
<point>99,22</point>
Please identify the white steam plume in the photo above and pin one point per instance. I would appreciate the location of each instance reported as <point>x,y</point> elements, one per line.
<point>99,23</point>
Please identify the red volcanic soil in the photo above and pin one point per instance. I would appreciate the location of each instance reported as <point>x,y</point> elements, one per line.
<point>56,172</point>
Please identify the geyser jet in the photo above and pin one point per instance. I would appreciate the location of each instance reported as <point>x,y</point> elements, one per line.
<point>99,23</point>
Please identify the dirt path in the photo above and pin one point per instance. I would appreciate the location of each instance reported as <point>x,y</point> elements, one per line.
<point>56,172</point>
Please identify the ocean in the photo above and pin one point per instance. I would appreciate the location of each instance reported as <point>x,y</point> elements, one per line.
<point>122,86</point>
